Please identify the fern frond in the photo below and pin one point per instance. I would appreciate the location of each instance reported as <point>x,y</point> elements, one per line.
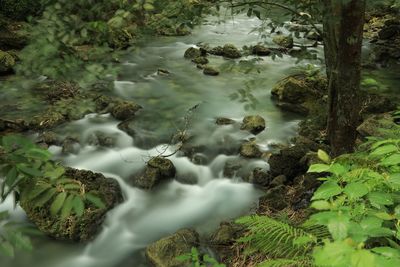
<point>295,262</point>
<point>275,238</point>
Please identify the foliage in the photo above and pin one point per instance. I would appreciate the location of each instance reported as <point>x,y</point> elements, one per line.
<point>198,260</point>
<point>14,236</point>
<point>27,170</point>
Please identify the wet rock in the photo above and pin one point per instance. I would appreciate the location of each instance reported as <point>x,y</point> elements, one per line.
<point>250,149</point>
<point>124,110</point>
<point>70,146</point>
<point>278,180</point>
<point>261,50</point>
<point>58,90</point>
<point>381,125</point>
<point>164,252</point>
<point>283,41</point>
<point>275,198</point>
<point>192,53</point>
<point>224,235</point>
<point>312,35</point>
<point>230,51</point>
<point>157,170</point>
<point>75,228</point>
<point>210,71</point>
<point>259,176</point>
<point>47,120</point>
<point>7,62</point>
<point>389,32</point>
<point>49,138</point>
<point>101,139</point>
<point>233,166</point>
<point>300,94</point>
<point>224,121</point>
<point>217,51</point>
<point>200,60</point>
<point>163,72</point>
<point>120,38</point>
<point>254,124</point>
<point>102,102</point>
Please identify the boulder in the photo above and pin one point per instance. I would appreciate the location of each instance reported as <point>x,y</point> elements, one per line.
<point>381,125</point>
<point>217,51</point>
<point>283,41</point>
<point>75,228</point>
<point>119,38</point>
<point>157,170</point>
<point>254,124</point>
<point>259,176</point>
<point>224,121</point>
<point>164,252</point>
<point>124,110</point>
<point>260,50</point>
<point>250,149</point>
<point>192,53</point>
<point>275,198</point>
<point>230,51</point>
<point>7,62</point>
<point>226,234</point>
<point>200,60</point>
<point>388,32</point>
<point>210,71</point>
<point>312,35</point>
<point>287,162</point>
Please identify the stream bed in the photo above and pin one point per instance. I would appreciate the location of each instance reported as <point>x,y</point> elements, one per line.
<point>201,197</point>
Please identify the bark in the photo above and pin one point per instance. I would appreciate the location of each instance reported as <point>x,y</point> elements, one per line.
<point>343,27</point>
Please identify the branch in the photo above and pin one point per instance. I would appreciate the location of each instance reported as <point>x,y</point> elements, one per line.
<point>293,11</point>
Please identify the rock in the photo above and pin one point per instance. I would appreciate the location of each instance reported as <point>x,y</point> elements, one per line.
<point>120,38</point>
<point>226,234</point>
<point>278,180</point>
<point>192,53</point>
<point>261,50</point>
<point>164,252</point>
<point>300,94</point>
<point>75,228</point>
<point>49,138</point>
<point>254,124</point>
<point>259,176</point>
<point>312,35</point>
<point>217,51</point>
<point>233,167</point>
<point>381,125</point>
<point>157,170</point>
<point>287,162</point>
<point>70,146</point>
<point>224,121</point>
<point>250,149</point>
<point>283,41</point>
<point>124,110</point>
<point>230,51</point>
<point>48,120</point>
<point>275,198</point>
<point>200,60</point>
<point>376,103</point>
<point>7,62</point>
<point>163,72</point>
<point>388,32</point>
<point>101,139</point>
<point>210,71</point>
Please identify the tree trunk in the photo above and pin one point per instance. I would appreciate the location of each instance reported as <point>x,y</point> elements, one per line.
<point>343,27</point>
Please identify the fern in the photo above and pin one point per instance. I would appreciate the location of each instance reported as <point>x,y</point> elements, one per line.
<point>294,262</point>
<point>275,238</point>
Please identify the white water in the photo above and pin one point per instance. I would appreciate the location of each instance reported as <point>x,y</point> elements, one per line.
<point>147,216</point>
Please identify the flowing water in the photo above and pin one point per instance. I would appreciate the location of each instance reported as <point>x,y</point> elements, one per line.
<point>201,197</point>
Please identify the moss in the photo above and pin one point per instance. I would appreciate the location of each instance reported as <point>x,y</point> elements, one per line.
<point>120,38</point>
<point>7,62</point>
<point>284,41</point>
<point>75,228</point>
<point>230,51</point>
<point>19,9</point>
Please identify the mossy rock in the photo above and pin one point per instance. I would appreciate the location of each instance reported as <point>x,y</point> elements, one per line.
<point>260,50</point>
<point>254,124</point>
<point>164,252</point>
<point>75,228</point>
<point>200,60</point>
<point>124,110</point>
<point>210,71</point>
<point>231,51</point>
<point>192,53</point>
<point>250,150</point>
<point>157,170</point>
<point>120,38</point>
<point>19,9</point>
<point>381,125</point>
<point>283,41</point>
<point>7,62</point>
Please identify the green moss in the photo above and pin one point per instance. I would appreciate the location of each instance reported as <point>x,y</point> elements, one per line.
<point>19,9</point>
<point>7,62</point>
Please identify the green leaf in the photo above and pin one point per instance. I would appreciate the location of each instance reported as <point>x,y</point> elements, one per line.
<point>384,150</point>
<point>337,169</point>
<point>37,190</point>
<point>378,199</point>
<point>322,155</point>
<point>394,181</point>
<point>327,190</point>
<point>363,258</point>
<point>333,254</point>
<point>321,205</point>
<point>318,168</point>
<point>38,153</point>
<point>392,160</point>
<point>387,252</point>
<point>30,171</point>
<point>55,172</point>
<point>95,200</point>
<point>57,203</point>
<point>356,190</point>
<point>384,216</point>
<point>7,249</point>
<point>67,207</point>
<point>338,227</point>
<point>21,241</point>
<point>44,198</point>
<point>78,206</point>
